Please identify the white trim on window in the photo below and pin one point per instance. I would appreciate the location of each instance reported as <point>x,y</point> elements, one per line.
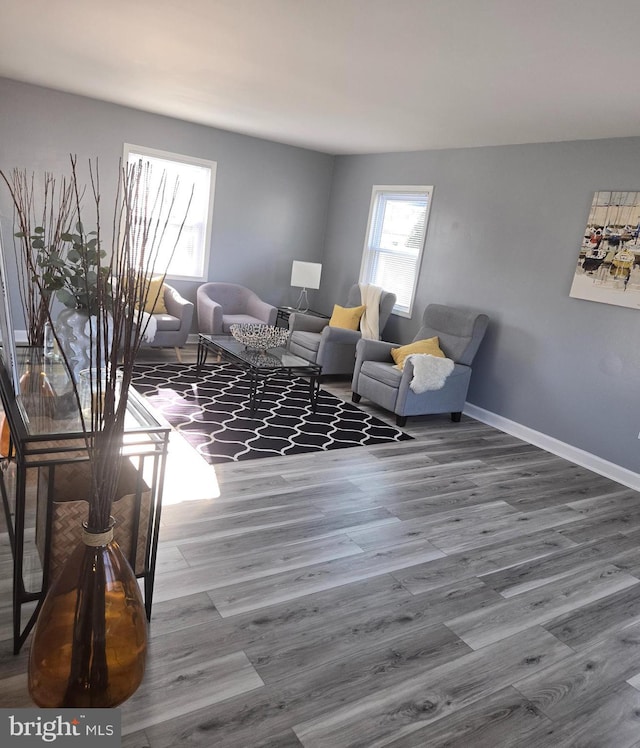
<point>394,245</point>
<point>191,258</point>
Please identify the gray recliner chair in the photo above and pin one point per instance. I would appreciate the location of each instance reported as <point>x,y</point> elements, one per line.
<point>174,325</point>
<point>375,377</point>
<point>221,305</point>
<point>334,348</point>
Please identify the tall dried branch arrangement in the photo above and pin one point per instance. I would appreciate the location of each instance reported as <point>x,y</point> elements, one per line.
<point>118,279</point>
<point>42,220</point>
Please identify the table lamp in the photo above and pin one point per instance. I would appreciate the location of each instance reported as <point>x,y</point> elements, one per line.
<point>305,275</point>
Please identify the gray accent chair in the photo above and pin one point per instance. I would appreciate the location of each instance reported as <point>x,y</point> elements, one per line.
<point>334,348</point>
<point>375,377</point>
<point>221,305</point>
<point>174,325</point>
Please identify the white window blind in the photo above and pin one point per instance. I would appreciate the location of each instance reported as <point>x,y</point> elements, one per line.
<point>191,256</point>
<point>395,241</point>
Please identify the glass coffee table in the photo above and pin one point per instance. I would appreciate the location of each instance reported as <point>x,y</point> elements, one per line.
<point>259,365</point>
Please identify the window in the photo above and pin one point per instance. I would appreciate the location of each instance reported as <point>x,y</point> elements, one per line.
<point>395,240</point>
<point>191,256</point>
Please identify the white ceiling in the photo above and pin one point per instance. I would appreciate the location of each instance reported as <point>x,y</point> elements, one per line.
<point>345,76</point>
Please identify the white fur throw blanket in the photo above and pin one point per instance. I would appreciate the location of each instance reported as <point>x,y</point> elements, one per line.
<point>429,372</point>
<point>149,325</point>
<point>370,320</point>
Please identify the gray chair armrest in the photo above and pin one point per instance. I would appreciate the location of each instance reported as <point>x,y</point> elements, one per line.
<point>456,381</point>
<point>341,335</point>
<point>306,322</point>
<point>370,350</point>
<point>209,314</point>
<point>260,309</point>
<point>374,350</point>
<point>405,381</point>
<point>175,303</point>
<point>337,350</point>
<point>179,307</point>
<point>407,373</point>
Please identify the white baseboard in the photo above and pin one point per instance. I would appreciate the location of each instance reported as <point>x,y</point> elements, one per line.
<point>556,447</point>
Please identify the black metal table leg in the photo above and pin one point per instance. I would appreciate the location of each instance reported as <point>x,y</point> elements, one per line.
<point>253,392</point>
<point>314,391</point>
<point>201,359</point>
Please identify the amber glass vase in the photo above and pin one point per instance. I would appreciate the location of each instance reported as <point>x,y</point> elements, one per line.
<point>90,640</point>
<point>38,398</point>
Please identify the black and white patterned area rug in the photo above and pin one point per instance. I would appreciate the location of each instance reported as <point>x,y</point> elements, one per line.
<point>212,414</point>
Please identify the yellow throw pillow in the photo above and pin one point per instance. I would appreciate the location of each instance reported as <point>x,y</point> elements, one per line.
<point>155,296</point>
<point>346,317</point>
<point>431,345</point>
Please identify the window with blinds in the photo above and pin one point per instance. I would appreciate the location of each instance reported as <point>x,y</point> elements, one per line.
<point>191,257</point>
<point>395,241</point>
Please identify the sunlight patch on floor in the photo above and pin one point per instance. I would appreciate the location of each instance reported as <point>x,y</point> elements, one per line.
<point>188,477</point>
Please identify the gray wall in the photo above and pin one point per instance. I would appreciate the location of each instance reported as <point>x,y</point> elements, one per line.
<point>503,237</point>
<point>270,201</point>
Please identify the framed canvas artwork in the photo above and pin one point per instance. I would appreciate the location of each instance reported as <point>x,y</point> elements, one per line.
<point>608,267</point>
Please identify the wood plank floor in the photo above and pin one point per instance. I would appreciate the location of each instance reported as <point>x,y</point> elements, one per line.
<point>461,589</point>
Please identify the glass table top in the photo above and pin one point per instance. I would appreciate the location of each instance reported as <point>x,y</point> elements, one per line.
<point>274,358</point>
<point>48,405</point>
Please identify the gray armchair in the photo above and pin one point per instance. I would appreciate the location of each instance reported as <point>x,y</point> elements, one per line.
<point>334,348</point>
<point>376,378</point>
<point>221,305</point>
<point>174,325</point>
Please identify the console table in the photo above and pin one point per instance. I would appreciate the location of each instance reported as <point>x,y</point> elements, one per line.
<point>284,312</point>
<point>47,447</point>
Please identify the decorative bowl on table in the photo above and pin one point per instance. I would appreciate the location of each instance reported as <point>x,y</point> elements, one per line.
<point>259,337</point>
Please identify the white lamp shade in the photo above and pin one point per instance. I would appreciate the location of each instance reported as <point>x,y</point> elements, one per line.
<point>306,274</point>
